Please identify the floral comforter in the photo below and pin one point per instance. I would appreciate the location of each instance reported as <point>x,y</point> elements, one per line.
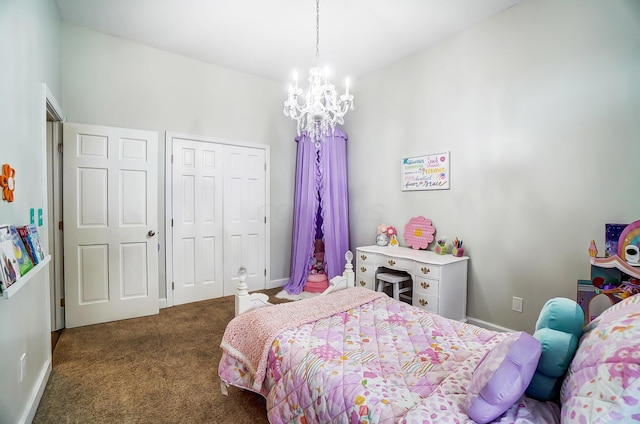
<point>603,381</point>
<point>381,362</point>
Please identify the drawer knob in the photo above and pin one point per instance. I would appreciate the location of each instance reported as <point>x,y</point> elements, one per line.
<point>425,270</point>
<point>423,302</point>
<point>425,285</point>
<point>363,257</point>
<point>391,262</point>
<point>363,269</point>
<point>362,283</point>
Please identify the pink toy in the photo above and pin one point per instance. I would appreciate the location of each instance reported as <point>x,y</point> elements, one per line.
<point>418,232</point>
<point>316,283</point>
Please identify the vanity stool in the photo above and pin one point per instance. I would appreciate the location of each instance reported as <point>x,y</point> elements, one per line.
<point>397,280</point>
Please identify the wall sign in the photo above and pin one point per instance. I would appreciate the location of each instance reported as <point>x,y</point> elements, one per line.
<point>429,172</point>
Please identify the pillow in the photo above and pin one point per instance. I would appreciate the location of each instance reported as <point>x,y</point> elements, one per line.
<point>502,377</point>
<point>603,381</point>
<point>543,387</point>
<point>561,314</point>
<point>558,349</point>
<point>558,330</point>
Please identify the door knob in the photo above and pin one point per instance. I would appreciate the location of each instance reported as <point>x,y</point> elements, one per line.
<point>151,233</point>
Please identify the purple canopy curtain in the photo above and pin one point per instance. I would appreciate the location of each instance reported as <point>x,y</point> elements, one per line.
<point>320,206</point>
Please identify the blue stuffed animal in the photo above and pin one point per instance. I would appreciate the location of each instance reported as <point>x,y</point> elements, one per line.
<point>558,330</point>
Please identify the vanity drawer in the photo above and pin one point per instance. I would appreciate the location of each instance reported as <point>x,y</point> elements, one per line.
<point>426,286</point>
<point>364,281</point>
<point>429,303</point>
<point>364,257</point>
<point>397,264</point>
<point>363,269</point>
<point>427,271</point>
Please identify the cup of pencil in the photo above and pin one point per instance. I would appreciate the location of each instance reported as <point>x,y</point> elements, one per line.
<point>441,247</point>
<point>457,249</point>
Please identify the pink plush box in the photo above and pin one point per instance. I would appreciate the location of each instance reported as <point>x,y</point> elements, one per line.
<point>316,283</point>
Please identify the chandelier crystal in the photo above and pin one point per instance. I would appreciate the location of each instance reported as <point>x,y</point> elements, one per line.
<point>319,110</point>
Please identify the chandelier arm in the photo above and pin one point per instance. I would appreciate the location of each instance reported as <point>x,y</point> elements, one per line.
<point>344,108</point>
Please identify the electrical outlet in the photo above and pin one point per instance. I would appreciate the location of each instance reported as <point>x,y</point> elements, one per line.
<point>23,360</point>
<point>516,304</point>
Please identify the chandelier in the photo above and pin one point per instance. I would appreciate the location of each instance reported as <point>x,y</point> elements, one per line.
<point>319,110</point>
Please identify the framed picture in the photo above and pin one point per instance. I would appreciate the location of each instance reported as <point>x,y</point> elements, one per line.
<point>429,172</point>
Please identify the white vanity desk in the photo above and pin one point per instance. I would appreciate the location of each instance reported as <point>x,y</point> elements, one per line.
<point>439,281</point>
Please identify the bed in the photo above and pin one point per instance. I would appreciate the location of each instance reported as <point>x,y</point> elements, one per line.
<point>358,356</point>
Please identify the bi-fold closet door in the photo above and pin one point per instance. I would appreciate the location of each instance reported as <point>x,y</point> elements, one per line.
<point>218,217</point>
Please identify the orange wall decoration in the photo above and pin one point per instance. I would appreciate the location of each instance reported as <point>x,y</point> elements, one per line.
<point>8,182</point>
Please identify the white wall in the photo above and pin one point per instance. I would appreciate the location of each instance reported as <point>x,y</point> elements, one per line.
<point>110,81</point>
<point>540,109</point>
<point>29,53</point>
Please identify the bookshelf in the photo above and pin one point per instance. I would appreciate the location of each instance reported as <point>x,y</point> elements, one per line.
<point>20,282</point>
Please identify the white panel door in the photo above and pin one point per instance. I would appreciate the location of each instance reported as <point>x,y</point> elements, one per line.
<point>197,220</point>
<point>244,216</point>
<point>110,212</point>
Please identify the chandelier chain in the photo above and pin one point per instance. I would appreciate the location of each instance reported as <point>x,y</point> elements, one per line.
<point>317,31</point>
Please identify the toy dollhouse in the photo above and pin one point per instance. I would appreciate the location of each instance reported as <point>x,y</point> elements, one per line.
<point>616,276</point>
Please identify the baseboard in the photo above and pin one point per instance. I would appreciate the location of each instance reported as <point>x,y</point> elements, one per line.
<point>162,303</point>
<point>277,283</point>
<point>36,394</point>
<point>488,325</point>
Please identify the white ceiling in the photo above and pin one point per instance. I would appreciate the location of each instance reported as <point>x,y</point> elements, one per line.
<point>271,38</point>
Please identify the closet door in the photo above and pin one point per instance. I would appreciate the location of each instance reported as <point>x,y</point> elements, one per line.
<point>217,217</point>
<point>245,216</point>
<point>197,220</point>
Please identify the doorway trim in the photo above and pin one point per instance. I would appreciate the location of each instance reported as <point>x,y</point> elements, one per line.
<point>168,238</point>
<point>52,112</point>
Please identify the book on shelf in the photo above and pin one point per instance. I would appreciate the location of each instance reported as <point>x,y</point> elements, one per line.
<point>32,242</point>
<point>9,268</point>
<point>25,263</point>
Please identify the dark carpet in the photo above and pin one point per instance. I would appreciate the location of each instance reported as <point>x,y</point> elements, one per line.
<point>157,369</point>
